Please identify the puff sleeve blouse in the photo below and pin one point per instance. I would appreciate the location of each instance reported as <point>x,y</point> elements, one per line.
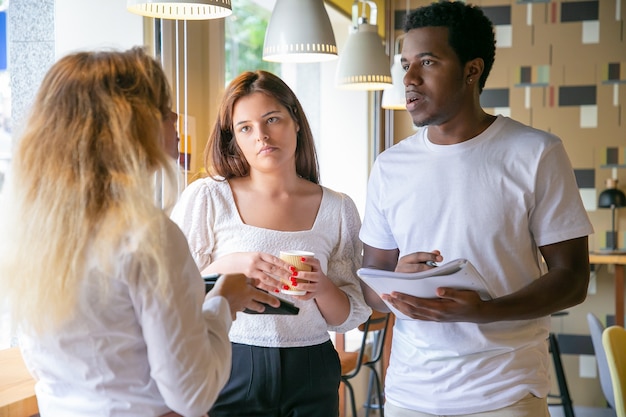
<point>207,214</point>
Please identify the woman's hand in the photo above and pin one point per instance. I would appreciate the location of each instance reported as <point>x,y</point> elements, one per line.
<point>318,285</point>
<point>241,293</point>
<point>266,270</point>
<point>332,302</point>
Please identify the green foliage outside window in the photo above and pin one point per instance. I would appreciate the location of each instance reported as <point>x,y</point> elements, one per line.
<point>245,33</point>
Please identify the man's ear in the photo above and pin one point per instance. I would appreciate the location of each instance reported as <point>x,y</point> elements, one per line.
<point>474,69</point>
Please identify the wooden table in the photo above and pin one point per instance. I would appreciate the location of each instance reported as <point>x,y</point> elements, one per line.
<point>619,261</point>
<point>17,387</point>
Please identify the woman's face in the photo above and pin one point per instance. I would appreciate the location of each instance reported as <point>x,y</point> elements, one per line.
<point>265,132</point>
<point>170,134</point>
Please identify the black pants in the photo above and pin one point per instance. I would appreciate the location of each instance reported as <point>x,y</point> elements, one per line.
<point>281,382</point>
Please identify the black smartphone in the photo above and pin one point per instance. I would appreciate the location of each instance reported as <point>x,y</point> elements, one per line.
<point>285,307</point>
<point>209,281</point>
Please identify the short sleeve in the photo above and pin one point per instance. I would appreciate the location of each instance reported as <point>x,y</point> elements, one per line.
<point>375,231</point>
<point>558,213</point>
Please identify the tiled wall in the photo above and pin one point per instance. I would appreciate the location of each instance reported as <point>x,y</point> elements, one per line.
<point>561,67</point>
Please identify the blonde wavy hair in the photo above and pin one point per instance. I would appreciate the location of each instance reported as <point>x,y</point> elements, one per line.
<point>82,183</point>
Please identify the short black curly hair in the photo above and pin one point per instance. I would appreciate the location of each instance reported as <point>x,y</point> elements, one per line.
<point>470,32</point>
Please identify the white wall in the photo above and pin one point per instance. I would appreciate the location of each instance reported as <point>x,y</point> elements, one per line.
<point>344,140</point>
<point>338,118</point>
<point>95,24</point>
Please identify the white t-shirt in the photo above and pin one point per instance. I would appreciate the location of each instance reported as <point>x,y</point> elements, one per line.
<point>494,200</point>
<point>128,353</point>
<point>207,213</point>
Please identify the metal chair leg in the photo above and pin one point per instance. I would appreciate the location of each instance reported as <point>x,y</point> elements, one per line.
<point>368,402</point>
<point>379,393</point>
<point>351,395</point>
<point>564,396</point>
<point>375,399</point>
<point>374,379</point>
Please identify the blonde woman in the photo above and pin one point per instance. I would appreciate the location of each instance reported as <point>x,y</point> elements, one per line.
<point>109,304</point>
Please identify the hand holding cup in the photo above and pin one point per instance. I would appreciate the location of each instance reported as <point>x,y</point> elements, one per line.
<point>294,257</point>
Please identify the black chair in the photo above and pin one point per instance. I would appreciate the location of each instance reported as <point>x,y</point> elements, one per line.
<point>563,396</point>
<point>368,355</point>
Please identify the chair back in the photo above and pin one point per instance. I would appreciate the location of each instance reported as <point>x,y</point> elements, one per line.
<point>374,329</point>
<point>378,323</point>
<point>614,342</point>
<point>595,329</point>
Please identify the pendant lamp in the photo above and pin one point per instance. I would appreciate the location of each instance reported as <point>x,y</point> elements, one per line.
<point>363,64</point>
<point>181,9</point>
<point>299,31</point>
<point>394,98</point>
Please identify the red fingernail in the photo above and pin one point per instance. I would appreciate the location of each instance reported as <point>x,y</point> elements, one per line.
<point>295,284</point>
<point>303,259</point>
<point>292,269</point>
<point>295,273</point>
<point>285,287</point>
<point>276,290</point>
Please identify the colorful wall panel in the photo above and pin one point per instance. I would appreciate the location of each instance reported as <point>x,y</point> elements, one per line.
<point>561,67</point>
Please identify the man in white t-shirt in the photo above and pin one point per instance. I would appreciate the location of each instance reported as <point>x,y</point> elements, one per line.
<point>482,187</point>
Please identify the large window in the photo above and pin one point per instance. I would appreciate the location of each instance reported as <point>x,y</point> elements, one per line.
<point>6,148</point>
<point>5,98</point>
<point>6,144</point>
<point>245,33</point>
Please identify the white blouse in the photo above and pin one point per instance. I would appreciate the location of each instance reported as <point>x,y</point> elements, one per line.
<point>129,353</point>
<point>207,214</point>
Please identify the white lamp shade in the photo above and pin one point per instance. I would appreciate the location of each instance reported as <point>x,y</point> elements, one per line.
<point>181,9</point>
<point>394,98</point>
<point>299,31</point>
<point>363,64</point>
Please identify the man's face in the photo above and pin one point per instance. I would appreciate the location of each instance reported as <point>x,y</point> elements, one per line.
<point>434,79</point>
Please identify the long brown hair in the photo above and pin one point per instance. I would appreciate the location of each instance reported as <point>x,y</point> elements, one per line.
<point>222,156</point>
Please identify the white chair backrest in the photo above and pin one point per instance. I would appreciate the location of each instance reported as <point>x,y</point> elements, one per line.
<point>596,328</point>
